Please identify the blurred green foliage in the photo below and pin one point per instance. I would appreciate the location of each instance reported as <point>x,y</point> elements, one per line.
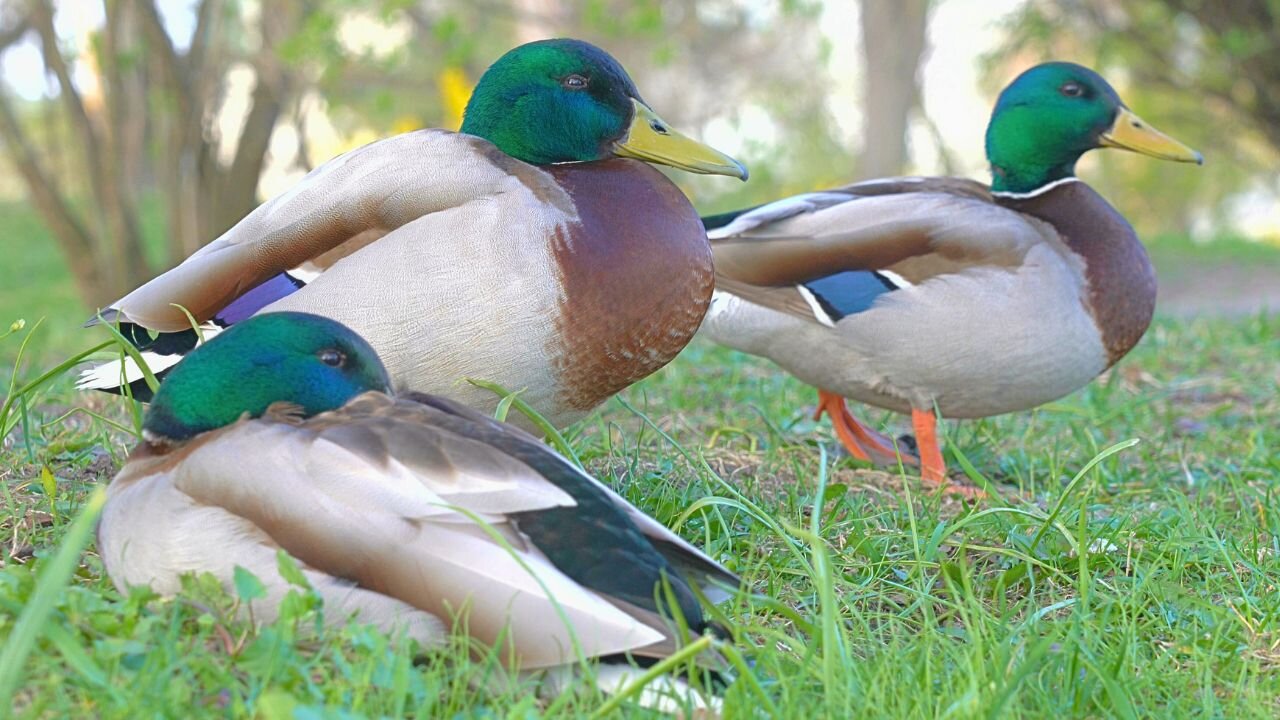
<point>1207,73</point>
<point>760,71</point>
<point>693,61</point>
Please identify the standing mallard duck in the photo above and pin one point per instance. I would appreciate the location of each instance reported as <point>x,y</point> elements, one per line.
<point>919,293</point>
<point>415,513</point>
<point>524,250</point>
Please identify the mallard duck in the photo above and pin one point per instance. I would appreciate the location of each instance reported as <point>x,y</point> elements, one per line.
<point>532,249</point>
<point>924,294</point>
<point>415,513</point>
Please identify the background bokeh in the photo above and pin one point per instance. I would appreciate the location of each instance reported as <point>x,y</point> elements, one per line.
<point>135,131</point>
<point>1123,565</point>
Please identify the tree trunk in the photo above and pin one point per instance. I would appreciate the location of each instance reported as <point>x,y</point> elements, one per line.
<point>237,189</point>
<point>893,42</point>
<point>71,235</point>
<point>121,254</point>
<point>154,111</point>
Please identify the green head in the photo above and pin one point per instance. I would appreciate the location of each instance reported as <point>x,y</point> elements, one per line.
<point>313,362</point>
<point>556,101</point>
<point>1052,114</point>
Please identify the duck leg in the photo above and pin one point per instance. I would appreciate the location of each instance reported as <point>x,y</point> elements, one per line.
<point>933,470</point>
<point>861,441</point>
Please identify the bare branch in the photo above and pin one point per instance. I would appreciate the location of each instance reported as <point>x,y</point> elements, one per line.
<point>893,39</point>
<point>170,64</point>
<point>11,35</point>
<point>121,253</point>
<point>68,231</point>
<point>202,36</point>
<point>192,81</point>
<point>240,185</point>
<point>298,117</point>
<point>42,19</point>
<point>239,188</point>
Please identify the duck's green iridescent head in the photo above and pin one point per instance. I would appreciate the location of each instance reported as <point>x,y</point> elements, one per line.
<point>313,362</point>
<point>1052,114</point>
<point>556,101</point>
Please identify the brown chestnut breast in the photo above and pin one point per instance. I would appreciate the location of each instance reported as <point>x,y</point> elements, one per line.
<point>636,274</point>
<point>1122,282</point>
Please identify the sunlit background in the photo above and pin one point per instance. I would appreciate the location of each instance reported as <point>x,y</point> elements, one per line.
<point>135,132</point>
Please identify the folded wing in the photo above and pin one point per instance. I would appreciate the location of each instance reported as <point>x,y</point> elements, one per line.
<point>893,233</point>
<point>334,211</point>
<point>423,505</point>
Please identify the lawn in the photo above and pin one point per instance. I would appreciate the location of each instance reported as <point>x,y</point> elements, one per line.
<point>1124,566</point>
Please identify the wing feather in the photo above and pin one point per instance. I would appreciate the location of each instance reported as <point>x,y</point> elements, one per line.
<point>783,298</point>
<point>385,493</point>
<point>716,582</point>
<point>334,211</point>
<point>916,228</point>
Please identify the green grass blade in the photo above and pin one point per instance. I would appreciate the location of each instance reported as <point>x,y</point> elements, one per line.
<point>1071,487</point>
<point>553,435</point>
<point>657,670</point>
<point>31,386</point>
<point>53,579</point>
<point>133,352</point>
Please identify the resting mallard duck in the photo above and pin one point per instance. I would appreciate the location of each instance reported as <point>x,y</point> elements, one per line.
<point>919,293</point>
<point>526,250</point>
<point>278,435</point>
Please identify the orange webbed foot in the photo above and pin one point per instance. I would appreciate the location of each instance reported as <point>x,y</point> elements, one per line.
<point>861,441</point>
<point>933,469</point>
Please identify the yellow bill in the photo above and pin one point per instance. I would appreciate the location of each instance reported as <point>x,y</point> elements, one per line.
<point>1130,132</point>
<point>652,140</point>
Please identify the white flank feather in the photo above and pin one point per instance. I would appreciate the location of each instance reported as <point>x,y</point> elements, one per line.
<point>894,278</point>
<point>303,275</point>
<point>818,313</point>
<point>118,373</point>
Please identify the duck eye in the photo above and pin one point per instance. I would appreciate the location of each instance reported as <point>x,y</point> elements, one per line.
<point>574,82</point>
<point>332,358</point>
<point>1072,89</point>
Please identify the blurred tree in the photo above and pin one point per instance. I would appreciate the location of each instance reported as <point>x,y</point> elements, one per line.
<point>139,121</point>
<point>759,67</point>
<point>1206,72</point>
<point>154,119</point>
<point>893,43</point>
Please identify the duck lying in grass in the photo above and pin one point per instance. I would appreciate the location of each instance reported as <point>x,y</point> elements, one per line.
<point>916,294</point>
<point>413,512</point>
<point>532,249</point>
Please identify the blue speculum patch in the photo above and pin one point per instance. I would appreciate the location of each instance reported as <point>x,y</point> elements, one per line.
<point>849,292</point>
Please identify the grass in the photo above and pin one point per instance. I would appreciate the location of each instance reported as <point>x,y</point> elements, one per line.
<point>1108,578</point>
